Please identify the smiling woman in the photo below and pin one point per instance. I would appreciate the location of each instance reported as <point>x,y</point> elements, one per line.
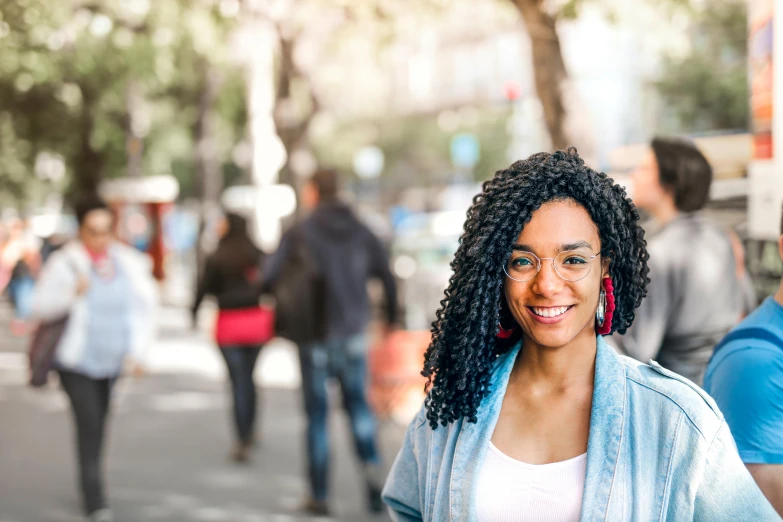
<point>531,416</point>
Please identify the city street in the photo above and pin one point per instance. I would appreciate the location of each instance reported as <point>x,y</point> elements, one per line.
<point>169,441</point>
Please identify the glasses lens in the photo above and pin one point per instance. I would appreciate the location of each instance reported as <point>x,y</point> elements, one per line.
<point>522,266</point>
<point>573,265</point>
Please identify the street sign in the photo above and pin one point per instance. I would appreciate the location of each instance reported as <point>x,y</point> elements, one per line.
<point>465,150</point>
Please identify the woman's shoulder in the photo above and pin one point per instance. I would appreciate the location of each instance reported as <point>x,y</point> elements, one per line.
<point>651,386</point>
<point>71,256</point>
<point>132,258</point>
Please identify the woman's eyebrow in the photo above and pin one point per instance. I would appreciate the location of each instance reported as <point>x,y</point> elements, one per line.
<point>575,246</point>
<point>563,248</point>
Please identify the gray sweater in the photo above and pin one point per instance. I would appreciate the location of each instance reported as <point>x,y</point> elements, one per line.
<point>694,297</point>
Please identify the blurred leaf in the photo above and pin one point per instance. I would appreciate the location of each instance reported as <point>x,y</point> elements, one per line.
<point>65,72</point>
<point>708,88</point>
<point>570,10</point>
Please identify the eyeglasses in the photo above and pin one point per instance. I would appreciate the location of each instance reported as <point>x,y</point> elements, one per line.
<point>96,232</point>
<point>570,265</point>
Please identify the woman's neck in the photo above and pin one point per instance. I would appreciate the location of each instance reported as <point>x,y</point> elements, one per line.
<point>558,368</point>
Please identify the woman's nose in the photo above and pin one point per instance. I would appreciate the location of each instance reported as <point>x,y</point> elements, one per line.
<point>547,282</point>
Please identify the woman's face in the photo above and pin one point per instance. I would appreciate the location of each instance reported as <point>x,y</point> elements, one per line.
<point>552,311</point>
<point>96,230</point>
<point>646,187</point>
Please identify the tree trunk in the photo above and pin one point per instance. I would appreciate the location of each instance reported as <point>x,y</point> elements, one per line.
<point>207,161</point>
<point>286,127</point>
<point>291,124</point>
<point>89,164</point>
<point>208,172</point>
<point>549,69</point>
<point>134,145</point>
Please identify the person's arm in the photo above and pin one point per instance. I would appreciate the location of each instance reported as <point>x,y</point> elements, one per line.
<point>402,492</point>
<point>727,492</point>
<point>56,289</point>
<point>206,286</point>
<point>380,269</point>
<point>644,338</point>
<point>747,385</point>
<point>769,478</point>
<point>273,264</point>
<point>258,283</point>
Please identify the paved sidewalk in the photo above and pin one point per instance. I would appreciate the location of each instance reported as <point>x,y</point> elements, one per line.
<point>169,441</point>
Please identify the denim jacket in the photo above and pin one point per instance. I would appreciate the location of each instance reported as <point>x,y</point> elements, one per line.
<point>658,449</point>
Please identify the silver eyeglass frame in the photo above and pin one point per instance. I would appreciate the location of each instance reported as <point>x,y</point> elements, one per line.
<point>540,264</point>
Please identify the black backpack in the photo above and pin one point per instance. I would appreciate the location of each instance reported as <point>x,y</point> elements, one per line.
<point>300,293</point>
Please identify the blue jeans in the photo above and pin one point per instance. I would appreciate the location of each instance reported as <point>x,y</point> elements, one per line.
<point>241,361</point>
<point>344,359</point>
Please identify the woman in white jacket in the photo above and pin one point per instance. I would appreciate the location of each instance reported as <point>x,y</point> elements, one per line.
<point>108,290</point>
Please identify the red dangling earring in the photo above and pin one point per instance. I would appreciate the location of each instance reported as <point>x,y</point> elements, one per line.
<point>606,327</point>
<point>503,333</point>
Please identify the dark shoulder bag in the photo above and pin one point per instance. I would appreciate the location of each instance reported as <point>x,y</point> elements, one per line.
<point>299,292</point>
<point>43,346</point>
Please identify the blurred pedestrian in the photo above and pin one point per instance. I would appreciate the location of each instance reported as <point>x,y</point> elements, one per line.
<point>110,296</point>
<point>693,297</point>
<point>232,276</point>
<point>22,256</point>
<point>531,416</point>
<point>342,255</point>
<point>5,270</point>
<point>745,377</point>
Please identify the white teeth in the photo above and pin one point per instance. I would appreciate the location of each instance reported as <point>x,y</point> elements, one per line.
<point>550,312</point>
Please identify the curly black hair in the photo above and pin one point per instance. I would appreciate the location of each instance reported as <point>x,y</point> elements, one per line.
<point>464,342</point>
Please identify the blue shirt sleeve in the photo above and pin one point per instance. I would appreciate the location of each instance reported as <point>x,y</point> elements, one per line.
<point>747,384</point>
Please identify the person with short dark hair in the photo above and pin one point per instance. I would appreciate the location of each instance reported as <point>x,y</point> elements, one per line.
<point>232,277</point>
<point>694,293</point>
<point>531,416</point>
<point>107,290</point>
<point>745,377</point>
<point>342,255</point>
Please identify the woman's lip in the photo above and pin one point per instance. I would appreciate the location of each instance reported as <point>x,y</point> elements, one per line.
<point>548,320</point>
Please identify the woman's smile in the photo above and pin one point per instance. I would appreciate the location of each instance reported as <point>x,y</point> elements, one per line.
<point>549,314</point>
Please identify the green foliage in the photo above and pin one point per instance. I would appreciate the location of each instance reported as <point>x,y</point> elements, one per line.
<point>708,88</point>
<point>416,149</point>
<point>66,70</point>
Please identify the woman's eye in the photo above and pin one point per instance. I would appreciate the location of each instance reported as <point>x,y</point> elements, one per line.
<point>521,262</point>
<point>575,260</point>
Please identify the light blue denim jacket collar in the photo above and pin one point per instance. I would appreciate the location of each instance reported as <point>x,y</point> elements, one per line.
<point>606,431</point>
<point>658,449</point>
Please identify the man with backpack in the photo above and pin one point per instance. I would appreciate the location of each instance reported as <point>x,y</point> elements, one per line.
<point>745,377</point>
<point>319,278</point>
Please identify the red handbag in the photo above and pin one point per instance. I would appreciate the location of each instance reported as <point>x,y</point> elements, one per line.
<point>245,326</point>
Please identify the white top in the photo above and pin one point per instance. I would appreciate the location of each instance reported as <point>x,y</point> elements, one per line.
<point>55,296</point>
<point>512,491</point>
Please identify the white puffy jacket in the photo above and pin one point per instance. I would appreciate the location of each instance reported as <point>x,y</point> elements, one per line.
<point>55,295</point>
